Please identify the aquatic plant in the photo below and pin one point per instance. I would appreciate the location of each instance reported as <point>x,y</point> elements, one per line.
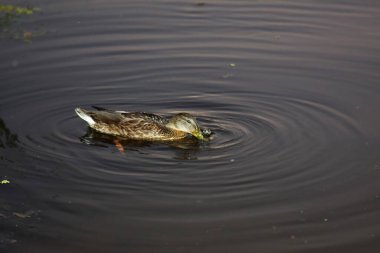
<point>9,14</point>
<point>11,9</point>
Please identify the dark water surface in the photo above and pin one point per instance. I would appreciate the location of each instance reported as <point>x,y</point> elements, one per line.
<point>290,88</point>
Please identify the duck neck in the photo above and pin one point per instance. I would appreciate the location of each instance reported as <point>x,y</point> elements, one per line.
<point>171,125</point>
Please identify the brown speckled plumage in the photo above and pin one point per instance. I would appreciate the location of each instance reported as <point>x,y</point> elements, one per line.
<point>136,125</point>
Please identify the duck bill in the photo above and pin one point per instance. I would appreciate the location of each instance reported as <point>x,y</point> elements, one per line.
<point>198,134</point>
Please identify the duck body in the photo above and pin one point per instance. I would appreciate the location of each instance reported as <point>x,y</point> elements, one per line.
<point>140,125</point>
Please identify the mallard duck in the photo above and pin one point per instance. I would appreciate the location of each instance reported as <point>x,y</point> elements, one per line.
<point>142,126</point>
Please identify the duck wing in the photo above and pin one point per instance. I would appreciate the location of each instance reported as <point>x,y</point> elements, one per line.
<point>139,125</point>
<point>146,116</point>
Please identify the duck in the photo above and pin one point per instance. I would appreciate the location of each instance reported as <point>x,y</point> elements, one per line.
<point>141,125</point>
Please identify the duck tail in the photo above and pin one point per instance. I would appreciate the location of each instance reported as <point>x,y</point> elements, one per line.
<point>85,116</point>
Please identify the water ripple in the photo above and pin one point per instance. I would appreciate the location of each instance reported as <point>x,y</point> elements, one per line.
<point>258,138</point>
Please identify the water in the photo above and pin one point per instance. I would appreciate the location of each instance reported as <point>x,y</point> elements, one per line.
<point>290,88</point>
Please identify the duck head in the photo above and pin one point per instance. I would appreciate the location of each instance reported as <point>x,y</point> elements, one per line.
<point>186,123</point>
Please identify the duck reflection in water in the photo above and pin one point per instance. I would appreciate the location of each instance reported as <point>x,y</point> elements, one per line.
<point>185,149</point>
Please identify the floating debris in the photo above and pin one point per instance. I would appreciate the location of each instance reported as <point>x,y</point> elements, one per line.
<point>5,181</point>
<point>227,75</point>
<point>25,215</point>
